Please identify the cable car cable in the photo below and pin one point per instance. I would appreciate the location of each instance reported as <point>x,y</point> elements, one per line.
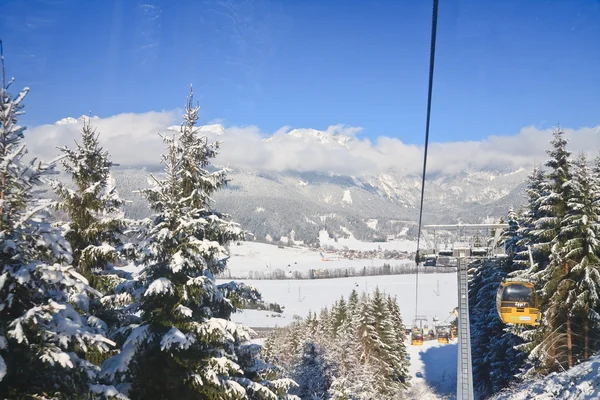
<point>429,95</point>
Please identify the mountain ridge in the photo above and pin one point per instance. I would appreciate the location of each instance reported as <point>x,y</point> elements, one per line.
<point>306,201</point>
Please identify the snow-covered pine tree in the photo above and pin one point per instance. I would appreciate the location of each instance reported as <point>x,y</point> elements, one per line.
<point>370,347</point>
<point>43,340</point>
<point>344,382</point>
<point>510,237</point>
<point>186,346</point>
<point>552,339</point>
<point>95,228</point>
<point>390,361</point>
<point>553,200</point>
<point>398,345</point>
<point>537,189</point>
<point>324,327</point>
<point>338,316</point>
<point>313,373</point>
<point>581,251</point>
<point>338,363</point>
<point>96,221</point>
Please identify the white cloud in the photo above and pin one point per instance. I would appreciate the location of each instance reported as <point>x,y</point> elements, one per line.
<point>132,140</point>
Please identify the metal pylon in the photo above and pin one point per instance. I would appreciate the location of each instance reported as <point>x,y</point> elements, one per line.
<point>464,376</point>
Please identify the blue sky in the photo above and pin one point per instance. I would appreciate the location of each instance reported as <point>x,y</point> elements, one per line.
<point>500,66</point>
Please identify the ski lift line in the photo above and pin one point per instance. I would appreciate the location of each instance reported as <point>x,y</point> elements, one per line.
<point>429,95</point>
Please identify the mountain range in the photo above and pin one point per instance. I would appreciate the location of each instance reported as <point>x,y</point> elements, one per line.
<point>372,205</point>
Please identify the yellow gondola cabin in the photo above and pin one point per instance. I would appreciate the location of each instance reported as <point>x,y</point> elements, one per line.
<point>417,339</point>
<point>517,303</point>
<point>443,335</point>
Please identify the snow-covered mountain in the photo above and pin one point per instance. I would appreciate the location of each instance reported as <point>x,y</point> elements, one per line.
<point>316,137</point>
<point>275,203</point>
<point>370,204</point>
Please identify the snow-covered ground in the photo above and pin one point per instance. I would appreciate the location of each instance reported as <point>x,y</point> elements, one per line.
<point>354,244</point>
<point>252,256</point>
<point>433,365</point>
<point>300,296</point>
<point>581,382</point>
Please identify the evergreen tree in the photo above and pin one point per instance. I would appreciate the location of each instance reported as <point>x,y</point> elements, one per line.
<point>581,252</point>
<point>511,237</point>
<point>553,203</point>
<point>370,346</point>
<point>364,359</point>
<point>94,209</point>
<point>390,361</point>
<point>398,346</point>
<point>550,342</point>
<point>43,340</point>
<point>339,314</point>
<point>95,228</point>
<point>186,346</point>
<point>527,233</point>
<point>313,373</point>
<point>352,302</point>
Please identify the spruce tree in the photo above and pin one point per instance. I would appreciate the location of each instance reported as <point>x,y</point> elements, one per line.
<point>313,372</point>
<point>551,342</point>
<point>581,252</point>
<point>398,345</point>
<point>390,361</point>
<point>95,228</point>
<point>43,339</point>
<point>527,232</point>
<point>186,346</point>
<point>94,210</point>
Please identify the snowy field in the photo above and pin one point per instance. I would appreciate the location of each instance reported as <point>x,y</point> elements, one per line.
<point>252,256</point>
<point>300,296</point>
